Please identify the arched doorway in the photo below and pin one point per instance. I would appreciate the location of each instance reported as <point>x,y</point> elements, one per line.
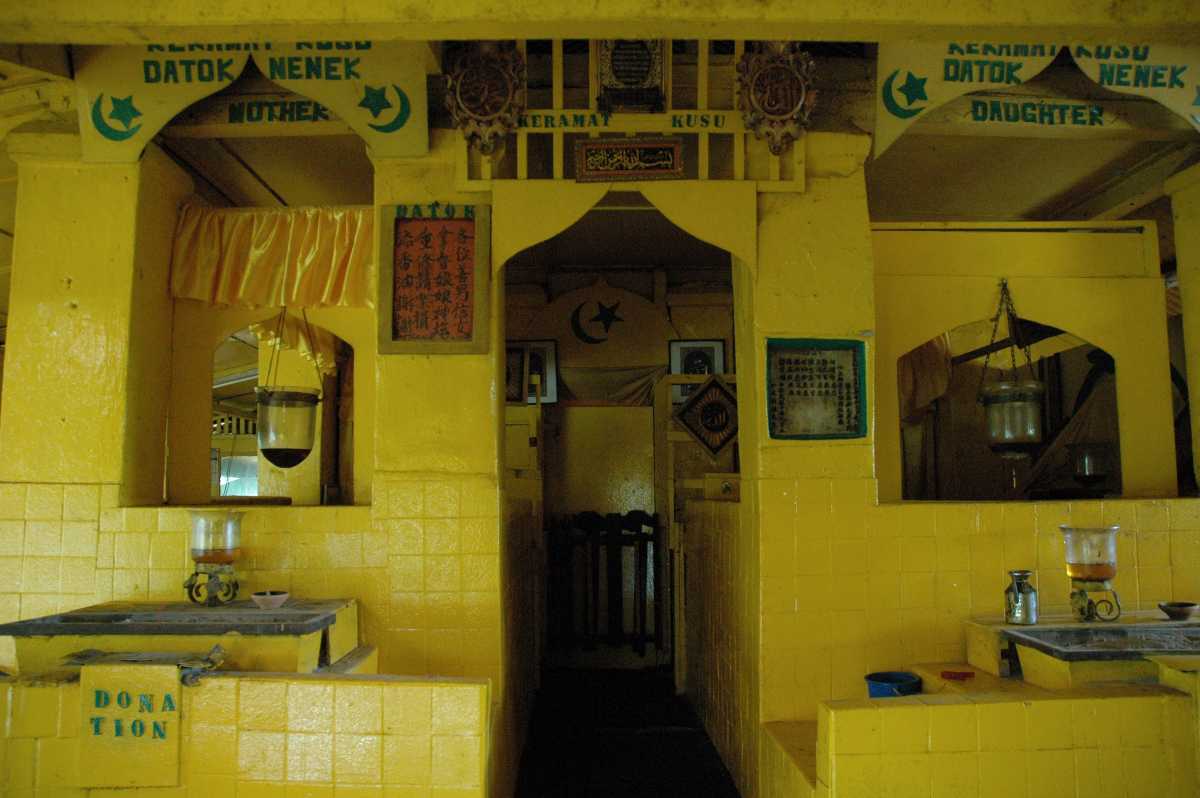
<point>597,307</point>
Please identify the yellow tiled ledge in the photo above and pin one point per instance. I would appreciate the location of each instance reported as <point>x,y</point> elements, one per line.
<point>1136,741</point>
<point>268,735</point>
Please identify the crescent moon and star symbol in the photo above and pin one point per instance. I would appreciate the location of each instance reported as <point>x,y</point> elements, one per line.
<point>913,90</point>
<point>375,100</point>
<point>123,111</point>
<point>607,316</point>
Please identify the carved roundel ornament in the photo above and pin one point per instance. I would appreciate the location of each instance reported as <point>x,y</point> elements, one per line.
<point>485,93</point>
<point>776,91</point>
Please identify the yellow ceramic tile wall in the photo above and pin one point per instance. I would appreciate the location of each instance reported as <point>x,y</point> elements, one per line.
<point>350,736</point>
<point>851,587</point>
<point>1128,741</point>
<point>423,562</point>
<point>722,635</point>
<point>785,763</point>
<point>520,562</point>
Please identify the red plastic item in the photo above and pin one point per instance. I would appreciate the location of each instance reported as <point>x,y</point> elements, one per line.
<point>958,676</point>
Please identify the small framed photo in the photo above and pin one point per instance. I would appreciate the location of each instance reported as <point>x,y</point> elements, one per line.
<point>695,357</point>
<point>541,360</point>
<point>516,379</point>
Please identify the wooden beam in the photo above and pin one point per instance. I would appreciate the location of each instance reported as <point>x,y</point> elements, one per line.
<point>1130,189</point>
<point>229,175</point>
<point>35,61</point>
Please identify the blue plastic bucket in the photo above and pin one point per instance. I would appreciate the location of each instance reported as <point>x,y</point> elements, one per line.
<point>889,684</point>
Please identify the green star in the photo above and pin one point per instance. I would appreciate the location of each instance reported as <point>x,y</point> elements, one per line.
<point>375,100</point>
<point>123,110</point>
<point>607,315</point>
<point>914,89</point>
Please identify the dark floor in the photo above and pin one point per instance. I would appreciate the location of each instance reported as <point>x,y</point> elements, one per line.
<point>604,734</point>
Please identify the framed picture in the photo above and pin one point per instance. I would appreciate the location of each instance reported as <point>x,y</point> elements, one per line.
<point>434,278</point>
<point>541,360</point>
<point>816,388</point>
<point>695,357</point>
<point>710,415</point>
<point>516,379</point>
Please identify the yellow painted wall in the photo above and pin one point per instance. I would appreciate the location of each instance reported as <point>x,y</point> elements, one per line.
<point>1104,288</point>
<point>271,735</point>
<point>111,21</point>
<point>599,459</point>
<point>162,186</point>
<point>72,323</point>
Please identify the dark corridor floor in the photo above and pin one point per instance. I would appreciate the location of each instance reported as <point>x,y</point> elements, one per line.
<point>604,734</point>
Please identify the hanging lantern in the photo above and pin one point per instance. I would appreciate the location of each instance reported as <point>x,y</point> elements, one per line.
<point>287,423</point>
<point>287,415</point>
<point>1012,406</point>
<point>1014,416</point>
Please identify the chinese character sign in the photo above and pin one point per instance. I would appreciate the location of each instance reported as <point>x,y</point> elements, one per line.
<point>434,290</point>
<point>815,389</point>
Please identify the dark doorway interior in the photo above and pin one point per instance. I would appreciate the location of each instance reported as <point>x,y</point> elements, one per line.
<point>604,733</point>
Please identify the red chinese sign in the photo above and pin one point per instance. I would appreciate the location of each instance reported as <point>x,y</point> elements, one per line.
<point>433,280</point>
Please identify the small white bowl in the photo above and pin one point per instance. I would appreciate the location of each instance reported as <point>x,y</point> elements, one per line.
<point>269,599</point>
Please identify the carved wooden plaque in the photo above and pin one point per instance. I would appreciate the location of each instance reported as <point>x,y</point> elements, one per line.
<point>434,278</point>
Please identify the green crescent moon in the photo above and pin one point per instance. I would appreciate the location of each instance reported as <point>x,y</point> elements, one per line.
<point>889,102</point>
<point>106,130</point>
<point>401,114</point>
<point>577,328</point>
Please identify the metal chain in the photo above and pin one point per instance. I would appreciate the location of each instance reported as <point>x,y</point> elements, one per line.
<point>1005,307</point>
<point>273,362</point>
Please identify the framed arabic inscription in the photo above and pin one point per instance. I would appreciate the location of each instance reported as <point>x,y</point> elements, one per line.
<point>606,160</point>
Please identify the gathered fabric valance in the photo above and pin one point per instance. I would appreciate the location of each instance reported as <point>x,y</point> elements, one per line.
<point>258,257</point>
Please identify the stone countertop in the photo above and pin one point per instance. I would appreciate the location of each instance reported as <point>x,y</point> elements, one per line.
<point>297,617</point>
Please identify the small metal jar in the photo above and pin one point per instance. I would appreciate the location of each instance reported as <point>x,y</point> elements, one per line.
<point>1020,599</point>
<point>1014,416</point>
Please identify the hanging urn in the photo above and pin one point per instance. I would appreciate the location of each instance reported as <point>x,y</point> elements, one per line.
<point>1013,406</point>
<point>287,415</point>
<point>287,423</point>
<point>1014,416</point>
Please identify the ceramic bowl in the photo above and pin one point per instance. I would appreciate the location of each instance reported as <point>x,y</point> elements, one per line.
<point>269,599</point>
<point>1178,610</point>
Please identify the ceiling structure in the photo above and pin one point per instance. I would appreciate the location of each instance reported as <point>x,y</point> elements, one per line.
<point>933,172</point>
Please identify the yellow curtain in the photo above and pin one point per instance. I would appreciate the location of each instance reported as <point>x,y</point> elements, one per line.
<point>256,257</point>
<point>923,376</point>
<point>320,347</point>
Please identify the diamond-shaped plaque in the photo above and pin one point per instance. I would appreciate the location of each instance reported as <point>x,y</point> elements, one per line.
<point>710,415</point>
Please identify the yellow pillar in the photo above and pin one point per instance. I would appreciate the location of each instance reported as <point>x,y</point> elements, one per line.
<point>1184,190</point>
<point>88,349</point>
<point>814,279</point>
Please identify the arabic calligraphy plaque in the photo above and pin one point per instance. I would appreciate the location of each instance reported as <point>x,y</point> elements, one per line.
<point>433,293</point>
<point>710,415</point>
<point>776,93</point>
<point>604,160</point>
<point>816,388</point>
<point>485,94</point>
<point>631,75</point>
